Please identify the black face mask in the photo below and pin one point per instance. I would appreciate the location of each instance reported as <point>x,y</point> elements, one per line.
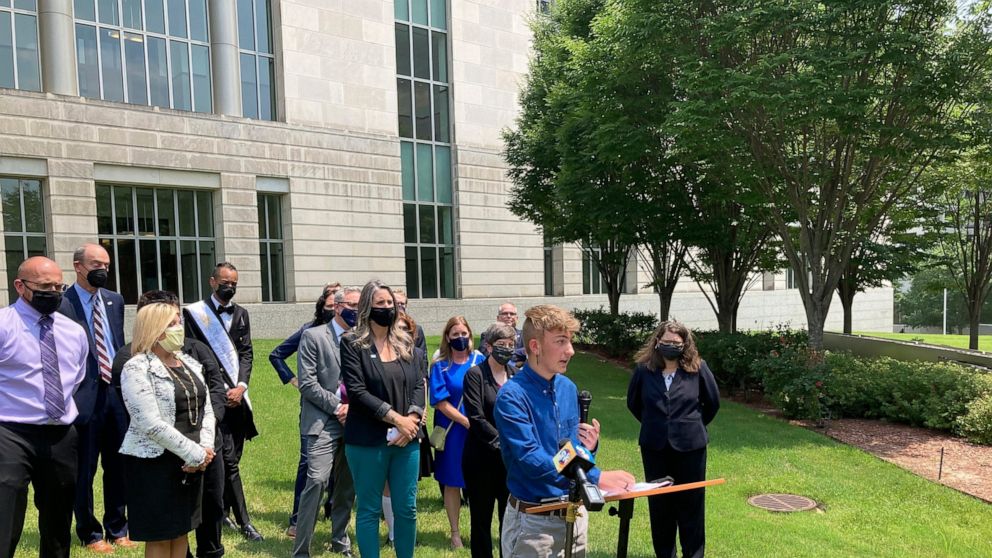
<point>45,302</point>
<point>668,352</point>
<point>97,278</point>
<point>349,316</point>
<point>226,292</point>
<point>326,315</point>
<point>383,316</point>
<point>502,355</point>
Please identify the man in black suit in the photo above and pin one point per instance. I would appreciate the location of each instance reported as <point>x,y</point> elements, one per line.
<point>102,420</point>
<point>208,538</point>
<point>224,327</point>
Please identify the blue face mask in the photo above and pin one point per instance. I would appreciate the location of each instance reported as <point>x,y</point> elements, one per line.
<point>349,316</point>
<point>459,343</point>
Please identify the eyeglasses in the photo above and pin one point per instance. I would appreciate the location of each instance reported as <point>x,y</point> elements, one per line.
<point>506,345</point>
<point>55,287</point>
<point>509,314</point>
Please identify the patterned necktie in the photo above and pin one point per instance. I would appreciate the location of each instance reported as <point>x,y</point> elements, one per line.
<point>54,398</point>
<point>100,337</point>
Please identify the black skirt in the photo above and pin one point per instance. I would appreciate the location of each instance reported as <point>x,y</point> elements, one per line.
<point>163,502</point>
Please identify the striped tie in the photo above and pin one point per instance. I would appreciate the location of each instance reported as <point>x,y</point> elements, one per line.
<point>100,336</point>
<point>54,398</point>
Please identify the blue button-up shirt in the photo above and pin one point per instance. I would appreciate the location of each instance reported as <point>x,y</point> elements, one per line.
<point>532,415</point>
<point>87,300</point>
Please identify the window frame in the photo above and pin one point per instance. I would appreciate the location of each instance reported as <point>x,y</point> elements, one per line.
<point>168,39</point>
<point>442,265</point>
<point>256,54</point>
<point>137,237</point>
<point>23,235</point>
<point>265,245</point>
<point>14,11</point>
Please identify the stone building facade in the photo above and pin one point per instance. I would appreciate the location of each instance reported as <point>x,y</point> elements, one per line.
<point>303,140</point>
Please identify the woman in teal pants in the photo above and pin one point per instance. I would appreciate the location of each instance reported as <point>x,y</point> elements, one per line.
<point>386,394</point>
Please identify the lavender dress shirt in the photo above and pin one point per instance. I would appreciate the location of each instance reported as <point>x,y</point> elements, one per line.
<point>22,386</point>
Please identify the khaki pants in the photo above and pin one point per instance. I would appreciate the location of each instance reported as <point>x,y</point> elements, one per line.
<point>541,536</point>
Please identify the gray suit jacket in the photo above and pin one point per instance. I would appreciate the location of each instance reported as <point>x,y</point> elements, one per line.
<point>319,368</point>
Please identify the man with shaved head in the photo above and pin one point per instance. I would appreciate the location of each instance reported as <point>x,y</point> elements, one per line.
<point>102,420</point>
<point>42,362</point>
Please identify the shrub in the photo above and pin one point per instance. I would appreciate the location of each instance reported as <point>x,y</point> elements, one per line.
<point>620,335</point>
<point>976,424</point>
<point>732,356</point>
<point>795,383</point>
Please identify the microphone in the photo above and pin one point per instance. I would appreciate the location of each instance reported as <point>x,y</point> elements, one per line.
<point>572,462</point>
<point>585,399</point>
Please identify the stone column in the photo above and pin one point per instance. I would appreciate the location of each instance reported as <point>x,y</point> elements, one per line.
<point>236,226</point>
<point>58,53</point>
<point>224,57</point>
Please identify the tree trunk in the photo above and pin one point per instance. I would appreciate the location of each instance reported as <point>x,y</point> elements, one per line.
<point>974,316</point>
<point>664,305</point>
<point>613,293</point>
<point>847,301</point>
<point>816,314</point>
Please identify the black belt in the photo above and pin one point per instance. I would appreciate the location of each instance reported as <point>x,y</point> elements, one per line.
<point>524,506</point>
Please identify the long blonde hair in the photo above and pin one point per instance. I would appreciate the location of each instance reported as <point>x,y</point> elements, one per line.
<point>149,324</point>
<point>690,360</point>
<point>444,350</point>
<point>399,340</point>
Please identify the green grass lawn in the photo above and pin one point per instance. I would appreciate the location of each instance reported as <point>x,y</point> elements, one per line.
<point>871,508</point>
<point>956,341</point>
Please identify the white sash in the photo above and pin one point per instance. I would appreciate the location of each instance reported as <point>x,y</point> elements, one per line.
<point>220,342</point>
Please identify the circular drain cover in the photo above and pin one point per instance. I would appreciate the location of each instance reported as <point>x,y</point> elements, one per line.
<point>781,502</point>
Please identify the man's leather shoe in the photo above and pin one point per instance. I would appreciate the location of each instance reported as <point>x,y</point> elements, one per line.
<point>100,547</point>
<point>251,533</point>
<point>229,523</point>
<point>125,542</point>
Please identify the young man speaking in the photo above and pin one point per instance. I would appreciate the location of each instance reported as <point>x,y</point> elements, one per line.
<point>534,410</point>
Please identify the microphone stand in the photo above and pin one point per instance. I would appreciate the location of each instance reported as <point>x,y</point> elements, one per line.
<point>571,513</point>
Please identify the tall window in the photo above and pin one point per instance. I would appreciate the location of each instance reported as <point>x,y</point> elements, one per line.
<point>158,238</point>
<point>592,279</point>
<point>257,59</point>
<point>425,146</point>
<point>23,224</point>
<point>145,52</point>
<point>270,247</point>
<point>19,66</point>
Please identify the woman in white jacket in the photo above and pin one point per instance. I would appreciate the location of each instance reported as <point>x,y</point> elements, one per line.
<point>170,439</point>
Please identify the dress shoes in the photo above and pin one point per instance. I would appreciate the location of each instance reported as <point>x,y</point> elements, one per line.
<point>229,523</point>
<point>251,533</point>
<point>124,542</point>
<point>100,547</point>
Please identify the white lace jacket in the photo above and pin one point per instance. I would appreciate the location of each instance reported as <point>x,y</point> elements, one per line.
<point>150,397</point>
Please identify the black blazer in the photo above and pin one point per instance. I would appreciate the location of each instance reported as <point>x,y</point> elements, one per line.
<point>240,334</point>
<point>482,444</point>
<point>241,417</point>
<point>113,309</point>
<point>676,417</point>
<point>368,397</point>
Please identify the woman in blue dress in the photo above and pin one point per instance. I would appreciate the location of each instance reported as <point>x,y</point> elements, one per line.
<point>455,358</point>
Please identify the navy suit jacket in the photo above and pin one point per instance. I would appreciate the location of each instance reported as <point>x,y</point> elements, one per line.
<point>113,305</point>
<point>676,416</point>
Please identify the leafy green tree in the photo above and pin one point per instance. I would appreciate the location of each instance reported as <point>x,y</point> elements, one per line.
<point>922,303</point>
<point>566,178</point>
<point>898,249</point>
<point>842,104</point>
